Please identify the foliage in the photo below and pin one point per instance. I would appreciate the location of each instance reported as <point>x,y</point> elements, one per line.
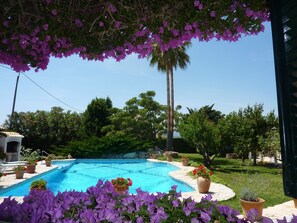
<point>38,184</point>
<point>19,169</point>
<point>95,147</point>
<point>31,32</point>
<point>49,158</point>
<point>45,129</point>
<point>202,133</point>
<point>121,184</point>
<point>166,61</point>
<point>179,145</point>
<point>29,155</point>
<point>141,118</point>
<point>101,203</point>
<point>244,131</point>
<point>97,116</point>
<point>270,143</point>
<point>184,158</point>
<point>202,171</point>
<point>258,127</point>
<point>212,114</point>
<point>248,195</point>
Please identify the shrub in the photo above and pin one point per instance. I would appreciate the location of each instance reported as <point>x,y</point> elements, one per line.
<point>248,195</point>
<point>95,147</point>
<point>38,184</point>
<point>30,155</point>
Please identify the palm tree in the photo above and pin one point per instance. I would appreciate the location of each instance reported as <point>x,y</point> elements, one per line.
<point>166,61</point>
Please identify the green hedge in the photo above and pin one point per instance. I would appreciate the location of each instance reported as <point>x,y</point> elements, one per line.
<point>179,145</point>
<point>95,147</point>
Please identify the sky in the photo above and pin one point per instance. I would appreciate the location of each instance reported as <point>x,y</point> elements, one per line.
<point>230,75</point>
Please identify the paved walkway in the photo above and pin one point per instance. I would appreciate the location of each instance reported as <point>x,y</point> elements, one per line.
<point>9,179</point>
<point>217,191</point>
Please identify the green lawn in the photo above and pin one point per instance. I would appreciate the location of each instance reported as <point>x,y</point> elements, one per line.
<point>267,180</point>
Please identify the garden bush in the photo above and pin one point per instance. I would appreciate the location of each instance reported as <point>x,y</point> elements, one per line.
<point>101,203</point>
<point>95,147</point>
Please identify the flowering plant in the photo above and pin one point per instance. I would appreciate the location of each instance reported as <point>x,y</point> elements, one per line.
<point>102,204</point>
<point>121,184</point>
<point>38,185</point>
<point>98,203</point>
<point>32,161</point>
<point>19,168</point>
<point>202,171</point>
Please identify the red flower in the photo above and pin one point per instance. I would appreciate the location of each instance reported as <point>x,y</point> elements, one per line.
<point>194,172</point>
<point>210,173</point>
<point>4,174</point>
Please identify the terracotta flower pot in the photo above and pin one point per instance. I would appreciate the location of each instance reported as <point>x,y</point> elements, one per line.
<point>185,162</point>
<point>203,184</point>
<point>121,191</point>
<point>31,168</point>
<point>169,158</point>
<point>19,174</point>
<point>248,205</point>
<point>48,162</point>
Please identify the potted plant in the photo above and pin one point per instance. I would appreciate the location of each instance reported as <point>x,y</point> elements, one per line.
<point>169,157</point>
<point>185,161</point>
<point>121,184</point>
<point>203,180</point>
<point>38,185</point>
<point>249,200</point>
<point>48,160</point>
<point>19,171</point>
<point>31,165</point>
<point>153,156</point>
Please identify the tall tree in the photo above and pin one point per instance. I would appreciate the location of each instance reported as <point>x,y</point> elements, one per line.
<point>202,133</point>
<point>97,115</point>
<point>166,61</point>
<point>142,118</point>
<point>255,116</point>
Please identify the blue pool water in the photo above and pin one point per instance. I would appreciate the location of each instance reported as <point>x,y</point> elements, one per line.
<point>81,174</point>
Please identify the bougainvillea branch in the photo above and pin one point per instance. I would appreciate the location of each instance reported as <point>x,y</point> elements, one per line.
<point>34,30</point>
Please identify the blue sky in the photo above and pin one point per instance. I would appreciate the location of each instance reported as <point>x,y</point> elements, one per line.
<point>230,75</point>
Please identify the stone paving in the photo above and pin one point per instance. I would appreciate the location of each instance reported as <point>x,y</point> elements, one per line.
<point>10,179</point>
<point>217,191</point>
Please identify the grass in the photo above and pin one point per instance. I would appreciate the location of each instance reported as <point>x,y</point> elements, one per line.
<point>265,179</point>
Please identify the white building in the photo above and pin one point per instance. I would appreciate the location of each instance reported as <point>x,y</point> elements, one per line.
<point>10,143</point>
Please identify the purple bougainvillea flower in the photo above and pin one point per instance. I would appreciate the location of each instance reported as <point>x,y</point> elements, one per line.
<point>54,12</point>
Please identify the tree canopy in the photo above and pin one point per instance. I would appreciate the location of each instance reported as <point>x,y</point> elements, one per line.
<point>34,30</point>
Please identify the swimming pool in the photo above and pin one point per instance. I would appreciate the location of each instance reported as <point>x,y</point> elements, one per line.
<point>80,174</point>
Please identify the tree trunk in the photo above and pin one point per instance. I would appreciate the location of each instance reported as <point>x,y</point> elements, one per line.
<point>172,108</point>
<point>255,157</point>
<point>243,158</point>
<point>168,142</point>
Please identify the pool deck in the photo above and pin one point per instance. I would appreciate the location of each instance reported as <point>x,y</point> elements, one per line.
<point>217,191</point>
<point>10,179</point>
